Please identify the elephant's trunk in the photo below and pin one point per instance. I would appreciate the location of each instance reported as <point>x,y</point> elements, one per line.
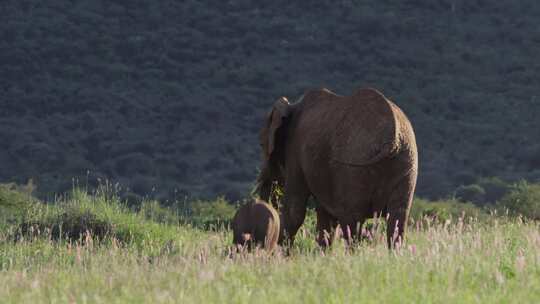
<point>263,187</point>
<point>266,181</point>
<point>281,238</point>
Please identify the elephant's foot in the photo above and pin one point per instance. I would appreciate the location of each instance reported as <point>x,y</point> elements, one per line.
<point>324,239</point>
<point>395,229</point>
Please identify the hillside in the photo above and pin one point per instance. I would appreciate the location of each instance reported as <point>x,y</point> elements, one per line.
<point>167,97</point>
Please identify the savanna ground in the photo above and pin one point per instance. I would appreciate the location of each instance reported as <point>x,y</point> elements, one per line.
<point>454,253</point>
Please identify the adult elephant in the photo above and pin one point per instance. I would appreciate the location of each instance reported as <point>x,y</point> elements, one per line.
<point>355,154</point>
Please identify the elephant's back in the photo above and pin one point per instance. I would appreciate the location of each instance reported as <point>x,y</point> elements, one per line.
<point>358,129</point>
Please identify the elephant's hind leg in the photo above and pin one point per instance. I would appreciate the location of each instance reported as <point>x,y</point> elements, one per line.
<point>326,223</point>
<point>399,204</point>
<point>351,226</point>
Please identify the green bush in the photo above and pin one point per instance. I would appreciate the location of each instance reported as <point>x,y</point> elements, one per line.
<point>16,203</point>
<point>495,189</point>
<point>210,214</point>
<point>523,199</point>
<point>154,211</point>
<point>471,193</point>
<point>445,209</point>
<point>485,191</point>
<point>99,216</point>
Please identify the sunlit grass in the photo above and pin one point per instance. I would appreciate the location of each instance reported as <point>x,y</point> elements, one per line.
<point>452,262</point>
<point>156,256</point>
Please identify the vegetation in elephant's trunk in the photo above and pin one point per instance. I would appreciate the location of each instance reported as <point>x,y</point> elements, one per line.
<point>269,185</point>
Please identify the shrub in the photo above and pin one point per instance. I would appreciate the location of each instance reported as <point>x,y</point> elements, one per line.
<point>471,193</point>
<point>154,211</point>
<point>101,216</point>
<point>495,189</point>
<point>445,209</point>
<point>132,199</point>
<point>210,215</point>
<point>484,191</point>
<point>523,199</point>
<point>71,224</point>
<point>16,203</point>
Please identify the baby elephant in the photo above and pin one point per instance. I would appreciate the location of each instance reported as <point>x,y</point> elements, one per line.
<point>256,223</point>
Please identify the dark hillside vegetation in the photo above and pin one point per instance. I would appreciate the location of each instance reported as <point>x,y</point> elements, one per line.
<point>166,97</point>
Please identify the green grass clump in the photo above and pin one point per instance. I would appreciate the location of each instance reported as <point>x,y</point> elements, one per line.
<point>16,204</point>
<point>445,209</point>
<point>210,214</point>
<point>154,211</point>
<point>97,216</point>
<point>523,199</point>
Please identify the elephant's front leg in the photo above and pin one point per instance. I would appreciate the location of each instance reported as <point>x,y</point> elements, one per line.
<point>326,223</point>
<point>294,211</point>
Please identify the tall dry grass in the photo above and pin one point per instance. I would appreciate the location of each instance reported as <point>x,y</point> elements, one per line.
<point>455,261</point>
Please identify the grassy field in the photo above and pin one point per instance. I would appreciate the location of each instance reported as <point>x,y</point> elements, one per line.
<point>492,260</point>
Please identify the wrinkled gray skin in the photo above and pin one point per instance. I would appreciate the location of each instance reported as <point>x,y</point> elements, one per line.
<point>355,154</point>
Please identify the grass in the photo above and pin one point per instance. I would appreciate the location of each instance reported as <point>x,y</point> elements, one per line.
<point>452,261</point>
<point>446,209</point>
<point>441,265</point>
<point>97,215</point>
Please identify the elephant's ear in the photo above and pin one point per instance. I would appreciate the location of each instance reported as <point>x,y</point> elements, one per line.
<point>367,131</point>
<point>280,111</point>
